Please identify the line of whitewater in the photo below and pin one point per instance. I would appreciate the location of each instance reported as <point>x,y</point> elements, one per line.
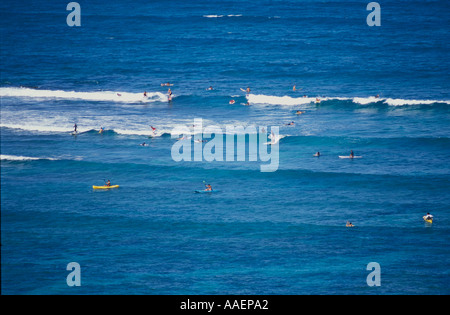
<point>293,101</point>
<point>127,97</point>
<point>110,96</point>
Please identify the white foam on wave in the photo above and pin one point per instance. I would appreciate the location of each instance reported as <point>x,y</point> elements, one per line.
<point>215,16</point>
<point>293,101</point>
<point>38,128</point>
<point>119,97</point>
<point>366,100</point>
<point>23,158</point>
<point>402,102</point>
<point>279,100</point>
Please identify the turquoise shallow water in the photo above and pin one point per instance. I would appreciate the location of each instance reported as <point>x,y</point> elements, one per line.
<point>281,232</point>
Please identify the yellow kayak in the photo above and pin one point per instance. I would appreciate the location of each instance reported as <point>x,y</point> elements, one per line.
<point>105,187</point>
<point>428,221</point>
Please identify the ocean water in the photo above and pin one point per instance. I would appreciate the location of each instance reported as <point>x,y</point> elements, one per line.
<point>280,232</point>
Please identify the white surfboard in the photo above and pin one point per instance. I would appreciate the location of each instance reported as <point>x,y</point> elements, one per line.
<point>349,157</point>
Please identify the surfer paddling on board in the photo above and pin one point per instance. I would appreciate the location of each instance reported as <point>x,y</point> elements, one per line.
<point>428,217</point>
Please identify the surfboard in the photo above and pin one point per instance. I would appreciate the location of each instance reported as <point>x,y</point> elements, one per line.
<point>426,220</point>
<point>205,191</point>
<point>349,157</point>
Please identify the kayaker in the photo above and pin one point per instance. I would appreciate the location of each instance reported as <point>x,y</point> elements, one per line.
<point>108,183</point>
<point>208,187</point>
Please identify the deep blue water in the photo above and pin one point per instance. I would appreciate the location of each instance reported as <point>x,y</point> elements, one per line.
<point>279,232</point>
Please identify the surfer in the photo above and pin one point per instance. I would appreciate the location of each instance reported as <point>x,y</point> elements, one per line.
<point>317,100</point>
<point>317,154</point>
<point>101,130</point>
<point>145,94</point>
<point>208,187</point>
<point>232,102</point>
<point>248,104</point>
<point>294,88</point>
<point>143,144</point>
<point>290,124</point>
<point>210,88</point>
<point>428,217</point>
<point>299,112</point>
<point>349,224</point>
<point>75,127</point>
<point>352,155</point>
<point>248,90</point>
